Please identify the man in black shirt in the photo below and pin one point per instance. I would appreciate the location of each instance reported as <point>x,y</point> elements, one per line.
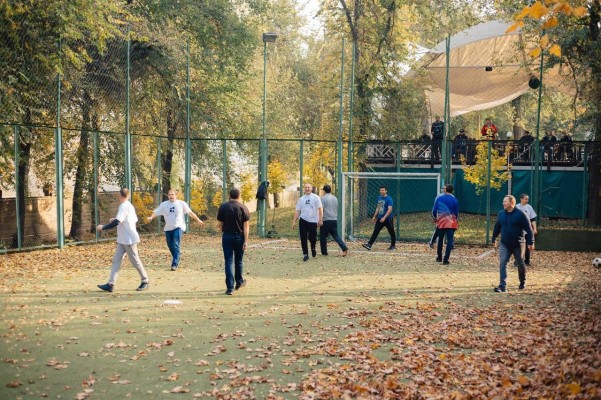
<point>233,218</point>
<point>437,135</point>
<point>525,144</point>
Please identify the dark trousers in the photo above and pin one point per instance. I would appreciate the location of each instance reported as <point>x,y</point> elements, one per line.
<point>435,236</point>
<point>330,228</point>
<point>174,238</point>
<point>233,252</point>
<point>307,230</point>
<point>450,235</point>
<point>389,224</point>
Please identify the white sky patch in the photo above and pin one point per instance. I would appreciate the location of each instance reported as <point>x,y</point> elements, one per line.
<point>309,10</point>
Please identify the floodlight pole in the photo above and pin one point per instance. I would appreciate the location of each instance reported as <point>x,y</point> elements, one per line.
<point>267,37</point>
<point>188,168</point>
<point>339,142</point>
<point>445,173</point>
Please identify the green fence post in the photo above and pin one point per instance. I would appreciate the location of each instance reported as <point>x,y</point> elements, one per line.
<point>224,195</point>
<point>350,160</point>
<point>58,162</point>
<point>17,183</point>
<point>488,193</point>
<point>537,173</point>
<point>128,182</point>
<point>397,162</point>
<point>159,180</point>
<point>301,165</point>
<point>585,185</point>
<point>188,168</point>
<point>96,213</point>
<point>443,162</point>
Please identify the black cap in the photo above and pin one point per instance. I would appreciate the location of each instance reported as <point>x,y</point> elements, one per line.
<point>461,130</point>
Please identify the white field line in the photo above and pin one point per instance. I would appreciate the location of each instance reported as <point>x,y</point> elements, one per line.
<point>262,244</point>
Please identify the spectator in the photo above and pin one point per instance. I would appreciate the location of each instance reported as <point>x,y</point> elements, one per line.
<point>437,136</point>
<point>489,130</point>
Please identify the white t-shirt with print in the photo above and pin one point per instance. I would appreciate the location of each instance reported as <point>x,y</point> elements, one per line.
<point>309,206</point>
<point>126,230</point>
<point>528,210</point>
<point>173,212</point>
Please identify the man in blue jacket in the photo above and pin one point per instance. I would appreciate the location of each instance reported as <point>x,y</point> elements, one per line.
<point>446,214</point>
<point>511,224</point>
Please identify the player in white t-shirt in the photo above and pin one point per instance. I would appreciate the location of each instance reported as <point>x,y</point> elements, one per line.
<point>309,212</point>
<point>127,241</point>
<point>173,210</point>
<point>531,214</point>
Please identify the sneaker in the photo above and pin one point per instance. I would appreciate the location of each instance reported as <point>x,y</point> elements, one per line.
<point>313,253</point>
<point>239,285</point>
<point>173,267</point>
<point>446,263</point>
<point>527,263</point>
<point>367,246</point>
<point>344,253</point>
<point>438,259</point>
<point>500,289</point>
<point>306,257</point>
<point>229,292</point>
<point>522,286</point>
<point>431,245</point>
<point>107,287</point>
<point>392,248</point>
<point>143,286</point>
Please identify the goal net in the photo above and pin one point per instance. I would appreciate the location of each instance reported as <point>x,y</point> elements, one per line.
<point>412,193</point>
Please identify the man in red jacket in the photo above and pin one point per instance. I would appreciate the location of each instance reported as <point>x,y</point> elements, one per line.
<point>489,130</point>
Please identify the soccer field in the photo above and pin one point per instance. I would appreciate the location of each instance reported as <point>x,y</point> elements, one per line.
<point>371,325</point>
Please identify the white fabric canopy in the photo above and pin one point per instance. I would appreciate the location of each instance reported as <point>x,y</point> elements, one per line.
<point>471,87</point>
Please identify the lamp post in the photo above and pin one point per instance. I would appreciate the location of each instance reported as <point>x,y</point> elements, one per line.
<point>268,37</point>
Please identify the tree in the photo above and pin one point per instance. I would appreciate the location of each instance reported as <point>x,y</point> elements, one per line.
<point>477,174</point>
<point>38,41</point>
<point>571,32</point>
<point>278,178</point>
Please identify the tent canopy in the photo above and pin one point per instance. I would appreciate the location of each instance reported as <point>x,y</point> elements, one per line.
<point>487,67</point>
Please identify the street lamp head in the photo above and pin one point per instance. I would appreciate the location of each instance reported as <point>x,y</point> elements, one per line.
<point>269,37</point>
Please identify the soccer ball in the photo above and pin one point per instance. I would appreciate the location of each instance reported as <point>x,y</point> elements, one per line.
<point>597,262</point>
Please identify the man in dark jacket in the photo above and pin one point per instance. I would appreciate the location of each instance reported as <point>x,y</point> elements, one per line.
<point>511,224</point>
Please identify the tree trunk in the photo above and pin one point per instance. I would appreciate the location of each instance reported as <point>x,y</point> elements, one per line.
<point>91,188</point>
<point>594,193</point>
<point>23,172</point>
<point>83,156</point>
<point>594,189</point>
<point>167,157</point>
<point>518,130</point>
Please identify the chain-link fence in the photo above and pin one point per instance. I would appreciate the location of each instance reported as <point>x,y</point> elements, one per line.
<point>123,117</point>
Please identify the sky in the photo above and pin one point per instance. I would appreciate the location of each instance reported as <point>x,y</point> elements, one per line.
<point>308,9</point>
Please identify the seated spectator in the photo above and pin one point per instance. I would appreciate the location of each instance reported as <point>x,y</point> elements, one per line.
<point>525,146</point>
<point>460,144</point>
<point>548,144</point>
<point>566,147</point>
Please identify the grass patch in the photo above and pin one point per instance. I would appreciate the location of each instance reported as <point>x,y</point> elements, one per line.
<point>370,325</point>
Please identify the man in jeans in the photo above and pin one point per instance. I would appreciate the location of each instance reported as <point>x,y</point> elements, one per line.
<point>330,222</point>
<point>233,217</point>
<point>309,213</point>
<point>511,224</point>
<point>383,217</point>
<point>173,210</point>
<point>446,214</point>
<point>127,241</point>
